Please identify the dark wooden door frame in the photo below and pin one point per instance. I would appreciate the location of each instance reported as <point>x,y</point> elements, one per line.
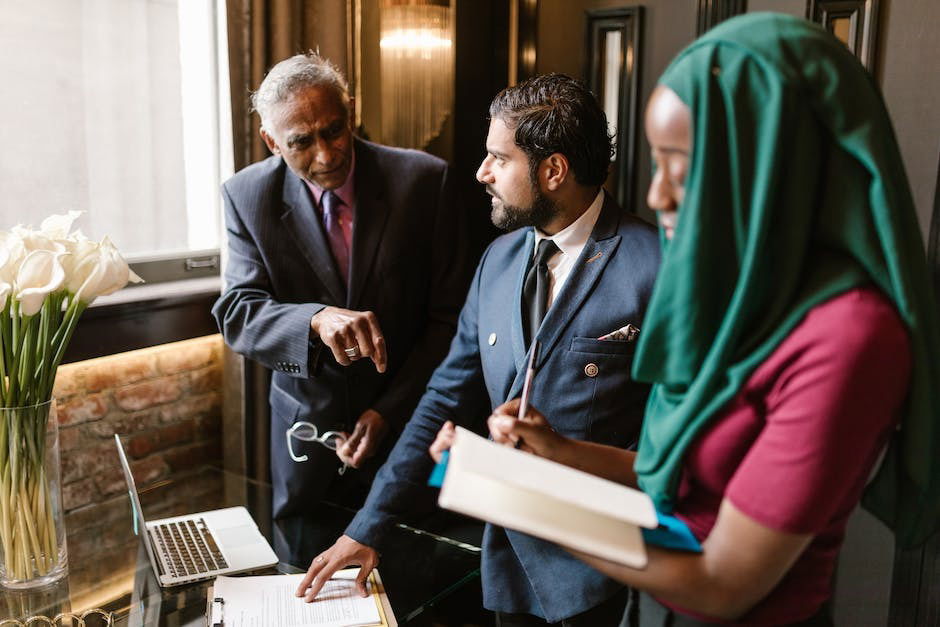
<point>630,21</point>
<point>712,12</point>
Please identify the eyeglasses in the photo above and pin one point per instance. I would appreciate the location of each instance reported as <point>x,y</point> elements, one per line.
<point>308,432</point>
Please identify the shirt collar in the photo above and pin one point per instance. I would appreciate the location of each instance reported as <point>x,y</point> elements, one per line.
<point>571,239</point>
<point>346,191</point>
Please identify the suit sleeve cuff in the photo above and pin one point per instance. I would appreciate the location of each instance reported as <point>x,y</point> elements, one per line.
<point>297,358</point>
<point>390,410</point>
<point>368,529</point>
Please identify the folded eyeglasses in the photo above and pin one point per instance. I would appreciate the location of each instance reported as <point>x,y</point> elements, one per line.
<point>308,432</point>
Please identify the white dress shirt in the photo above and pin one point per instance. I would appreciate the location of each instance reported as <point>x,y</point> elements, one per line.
<point>570,241</point>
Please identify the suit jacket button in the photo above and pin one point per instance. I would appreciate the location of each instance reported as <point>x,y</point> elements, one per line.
<point>591,370</point>
<point>492,339</point>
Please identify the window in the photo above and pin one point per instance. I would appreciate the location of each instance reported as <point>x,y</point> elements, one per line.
<point>113,107</point>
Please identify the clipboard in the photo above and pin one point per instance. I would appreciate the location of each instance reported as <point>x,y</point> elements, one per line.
<point>215,606</point>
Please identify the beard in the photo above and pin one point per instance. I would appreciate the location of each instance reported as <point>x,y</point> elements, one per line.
<point>511,217</point>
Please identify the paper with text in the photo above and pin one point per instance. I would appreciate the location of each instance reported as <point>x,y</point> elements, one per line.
<point>269,601</point>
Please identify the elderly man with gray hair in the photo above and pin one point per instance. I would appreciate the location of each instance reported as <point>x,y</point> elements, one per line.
<point>346,270</point>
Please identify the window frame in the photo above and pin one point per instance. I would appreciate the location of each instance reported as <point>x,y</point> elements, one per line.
<point>174,303</point>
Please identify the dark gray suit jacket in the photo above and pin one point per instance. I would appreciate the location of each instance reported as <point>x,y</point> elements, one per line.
<point>582,385</point>
<point>408,266</point>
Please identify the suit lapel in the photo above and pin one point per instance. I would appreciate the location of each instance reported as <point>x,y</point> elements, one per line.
<point>300,218</point>
<point>597,252</point>
<point>371,215</point>
<point>517,335</point>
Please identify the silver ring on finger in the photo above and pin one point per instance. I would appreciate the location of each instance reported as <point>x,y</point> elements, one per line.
<point>319,559</point>
<point>352,351</point>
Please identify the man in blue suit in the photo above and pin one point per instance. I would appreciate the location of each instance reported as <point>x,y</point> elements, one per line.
<point>345,273</point>
<point>548,153</point>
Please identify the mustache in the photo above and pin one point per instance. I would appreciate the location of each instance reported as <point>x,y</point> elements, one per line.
<point>338,166</point>
<point>330,171</point>
<point>492,192</point>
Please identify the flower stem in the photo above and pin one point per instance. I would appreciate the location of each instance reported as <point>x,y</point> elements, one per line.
<point>6,531</point>
<point>6,342</point>
<point>31,349</point>
<point>27,525</point>
<point>27,512</point>
<point>60,341</point>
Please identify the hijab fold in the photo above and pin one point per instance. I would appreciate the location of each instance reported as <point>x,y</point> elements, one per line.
<point>795,193</point>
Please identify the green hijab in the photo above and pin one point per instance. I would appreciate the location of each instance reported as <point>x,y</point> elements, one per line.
<point>795,193</point>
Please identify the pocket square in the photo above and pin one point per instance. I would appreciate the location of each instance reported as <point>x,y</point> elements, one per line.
<point>626,333</point>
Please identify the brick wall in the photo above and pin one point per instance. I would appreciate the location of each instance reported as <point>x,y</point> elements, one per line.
<point>166,402</point>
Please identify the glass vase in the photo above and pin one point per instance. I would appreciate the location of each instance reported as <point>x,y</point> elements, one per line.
<point>32,520</point>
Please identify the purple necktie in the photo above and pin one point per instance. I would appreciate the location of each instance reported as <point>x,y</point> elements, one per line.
<point>331,204</point>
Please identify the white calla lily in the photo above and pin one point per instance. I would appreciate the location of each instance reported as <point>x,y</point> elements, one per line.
<point>12,251</point>
<point>80,263</point>
<point>37,240</point>
<point>57,226</point>
<point>40,274</point>
<point>5,289</point>
<point>104,270</point>
<point>70,271</point>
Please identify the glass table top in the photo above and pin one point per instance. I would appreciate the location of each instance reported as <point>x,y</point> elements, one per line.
<point>430,567</point>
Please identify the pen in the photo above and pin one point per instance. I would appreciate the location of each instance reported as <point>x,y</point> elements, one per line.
<point>527,386</point>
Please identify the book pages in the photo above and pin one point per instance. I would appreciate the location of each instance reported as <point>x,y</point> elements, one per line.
<point>520,491</point>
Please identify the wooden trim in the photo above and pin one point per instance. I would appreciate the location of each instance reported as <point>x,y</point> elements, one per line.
<point>525,54</point>
<point>109,329</point>
<point>414,3</point>
<point>712,12</point>
<point>629,21</point>
<point>863,20</point>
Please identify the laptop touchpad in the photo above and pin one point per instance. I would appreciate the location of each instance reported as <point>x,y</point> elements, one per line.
<point>234,537</point>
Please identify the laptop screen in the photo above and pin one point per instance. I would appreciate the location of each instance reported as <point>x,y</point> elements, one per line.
<point>139,522</point>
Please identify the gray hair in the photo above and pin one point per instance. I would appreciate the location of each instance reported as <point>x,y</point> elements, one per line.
<point>294,74</point>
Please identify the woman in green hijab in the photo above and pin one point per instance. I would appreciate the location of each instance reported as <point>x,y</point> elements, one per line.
<point>791,337</point>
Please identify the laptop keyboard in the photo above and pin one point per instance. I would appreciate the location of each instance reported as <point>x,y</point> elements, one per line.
<point>188,548</point>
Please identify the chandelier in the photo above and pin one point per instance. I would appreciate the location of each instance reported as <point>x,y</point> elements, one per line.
<point>417,70</point>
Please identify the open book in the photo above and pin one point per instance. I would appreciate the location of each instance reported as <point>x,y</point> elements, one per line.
<point>269,600</point>
<point>520,491</point>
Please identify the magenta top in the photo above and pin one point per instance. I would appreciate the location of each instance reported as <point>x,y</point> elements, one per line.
<point>794,449</point>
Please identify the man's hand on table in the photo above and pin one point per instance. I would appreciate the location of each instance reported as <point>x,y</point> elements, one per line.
<point>344,552</point>
<point>366,436</point>
<point>351,335</point>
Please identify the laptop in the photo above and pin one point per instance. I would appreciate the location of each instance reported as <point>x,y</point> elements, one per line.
<point>199,546</point>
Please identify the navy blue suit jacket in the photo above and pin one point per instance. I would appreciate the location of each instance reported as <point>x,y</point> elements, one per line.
<point>408,266</point>
<point>608,287</point>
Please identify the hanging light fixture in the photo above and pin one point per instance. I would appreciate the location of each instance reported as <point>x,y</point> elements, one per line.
<point>417,70</point>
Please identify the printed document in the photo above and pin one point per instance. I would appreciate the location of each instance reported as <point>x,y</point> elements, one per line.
<point>269,601</point>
